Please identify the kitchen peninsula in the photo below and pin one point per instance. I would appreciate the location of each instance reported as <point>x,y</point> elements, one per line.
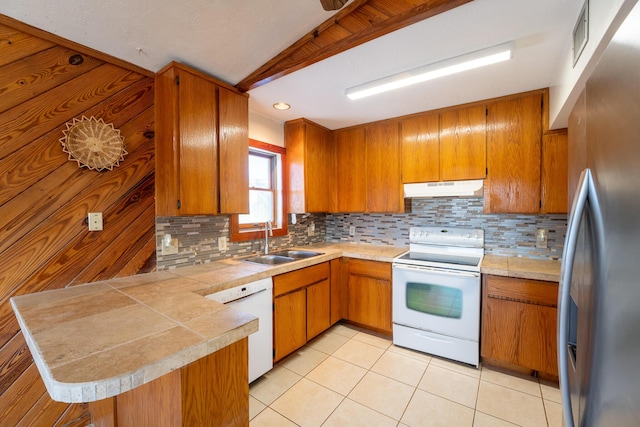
<point>142,341</point>
<point>154,341</point>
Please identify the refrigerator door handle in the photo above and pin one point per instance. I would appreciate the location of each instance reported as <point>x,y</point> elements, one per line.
<point>568,258</point>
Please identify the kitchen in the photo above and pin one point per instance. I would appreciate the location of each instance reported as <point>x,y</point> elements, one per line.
<point>73,257</point>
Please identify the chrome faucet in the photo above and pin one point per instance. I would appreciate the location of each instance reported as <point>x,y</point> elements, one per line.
<point>268,230</point>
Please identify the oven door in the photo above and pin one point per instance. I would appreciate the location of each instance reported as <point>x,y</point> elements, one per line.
<point>441,301</point>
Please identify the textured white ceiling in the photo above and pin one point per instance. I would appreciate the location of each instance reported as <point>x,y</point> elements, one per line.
<point>231,38</point>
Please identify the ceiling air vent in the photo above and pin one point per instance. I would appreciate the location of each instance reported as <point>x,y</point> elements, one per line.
<point>581,32</point>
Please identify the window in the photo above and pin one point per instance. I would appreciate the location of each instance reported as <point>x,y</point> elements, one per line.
<point>266,195</point>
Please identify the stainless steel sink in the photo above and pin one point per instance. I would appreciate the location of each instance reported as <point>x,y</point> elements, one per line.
<point>282,257</point>
<point>270,259</point>
<point>297,254</point>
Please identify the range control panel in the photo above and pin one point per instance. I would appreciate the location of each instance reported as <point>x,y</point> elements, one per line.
<point>468,237</point>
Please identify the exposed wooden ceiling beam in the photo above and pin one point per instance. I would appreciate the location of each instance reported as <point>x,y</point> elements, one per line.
<point>359,22</point>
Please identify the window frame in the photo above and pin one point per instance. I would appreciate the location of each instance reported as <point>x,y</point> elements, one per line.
<point>273,184</point>
<point>240,233</point>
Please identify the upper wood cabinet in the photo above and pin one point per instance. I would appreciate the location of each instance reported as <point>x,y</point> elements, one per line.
<point>499,140</point>
<point>446,146</point>
<point>384,181</point>
<point>233,152</point>
<point>554,180</point>
<point>351,177</point>
<point>463,143</point>
<point>201,145</point>
<point>310,167</point>
<point>514,130</point>
<point>420,146</point>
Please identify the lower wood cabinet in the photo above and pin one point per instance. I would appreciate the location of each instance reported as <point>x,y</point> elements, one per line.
<point>318,308</point>
<point>302,307</point>
<point>212,391</point>
<point>519,323</point>
<point>289,322</point>
<point>369,294</point>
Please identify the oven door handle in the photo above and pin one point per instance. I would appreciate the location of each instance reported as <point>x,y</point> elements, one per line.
<point>436,270</point>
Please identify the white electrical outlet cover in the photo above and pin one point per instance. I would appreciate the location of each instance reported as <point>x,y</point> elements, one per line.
<point>95,221</point>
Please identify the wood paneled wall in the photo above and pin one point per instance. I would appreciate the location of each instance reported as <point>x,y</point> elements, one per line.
<point>45,198</point>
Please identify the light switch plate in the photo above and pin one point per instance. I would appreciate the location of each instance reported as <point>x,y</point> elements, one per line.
<point>95,221</point>
<point>222,243</point>
<point>352,231</point>
<point>541,239</point>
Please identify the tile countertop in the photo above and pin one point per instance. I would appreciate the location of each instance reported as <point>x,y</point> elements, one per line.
<point>524,268</point>
<point>101,339</point>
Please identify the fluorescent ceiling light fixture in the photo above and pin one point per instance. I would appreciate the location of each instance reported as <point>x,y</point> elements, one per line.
<point>458,64</point>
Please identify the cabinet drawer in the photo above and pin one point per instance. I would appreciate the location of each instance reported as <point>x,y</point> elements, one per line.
<point>522,290</point>
<point>288,282</point>
<point>375,269</point>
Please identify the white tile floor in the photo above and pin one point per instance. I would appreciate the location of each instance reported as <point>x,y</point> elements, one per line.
<point>347,377</point>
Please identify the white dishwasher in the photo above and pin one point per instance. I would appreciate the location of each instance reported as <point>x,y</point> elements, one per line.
<point>254,298</point>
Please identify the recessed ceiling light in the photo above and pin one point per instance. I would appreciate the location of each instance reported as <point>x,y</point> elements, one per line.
<point>458,64</point>
<point>281,106</point>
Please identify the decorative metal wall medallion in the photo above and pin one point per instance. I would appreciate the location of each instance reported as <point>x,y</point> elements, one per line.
<point>93,143</point>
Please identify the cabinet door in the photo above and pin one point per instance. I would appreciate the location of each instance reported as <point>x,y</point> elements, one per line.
<point>520,334</point>
<point>514,130</point>
<point>554,180</point>
<point>351,175</point>
<point>319,170</point>
<point>463,143</point>
<point>294,137</point>
<point>166,143</point>
<point>500,330</point>
<point>420,148</point>
<point>538,339</point>
<point>318,308</point>
<point>310,167</point>
<point>369,294</point>
<point>370,302</point>
<point>384,183</point>
<point>234,152</point>
<point>289,323</point>
<point>198,145</point>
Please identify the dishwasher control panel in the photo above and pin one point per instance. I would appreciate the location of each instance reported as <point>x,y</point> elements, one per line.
<point>241,291</point>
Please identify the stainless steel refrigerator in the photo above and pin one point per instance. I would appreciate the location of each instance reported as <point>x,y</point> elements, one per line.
<point>599,296</point>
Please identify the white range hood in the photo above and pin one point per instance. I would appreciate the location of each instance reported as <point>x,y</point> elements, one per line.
<point>470,188</point>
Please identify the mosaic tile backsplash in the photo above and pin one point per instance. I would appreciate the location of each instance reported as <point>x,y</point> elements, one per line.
<point>505,234</point>
<point>198,239</point>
